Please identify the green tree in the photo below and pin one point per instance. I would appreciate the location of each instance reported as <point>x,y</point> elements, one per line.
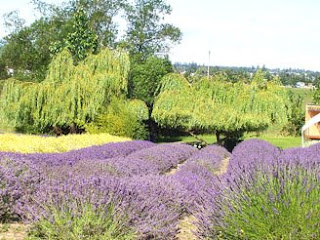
<point>29,49</point>
<point>147,34</point>
<point>316,92</point>
<point>296,118</point>
<point>217,106</point>
<point>144,79</point>
<point>70,96</point>
<point>82,40</point>
<point>102,15</point>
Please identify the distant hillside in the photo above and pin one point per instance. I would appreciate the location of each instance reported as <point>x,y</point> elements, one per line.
<point>288,77</point>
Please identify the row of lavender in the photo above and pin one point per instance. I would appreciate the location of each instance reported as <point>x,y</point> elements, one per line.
<point>132,176</point>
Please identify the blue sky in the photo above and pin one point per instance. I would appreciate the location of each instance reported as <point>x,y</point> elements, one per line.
<point>275,33</point>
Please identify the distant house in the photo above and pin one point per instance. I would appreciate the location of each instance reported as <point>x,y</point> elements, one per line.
<point>300,85</point>
<point>10,71</point>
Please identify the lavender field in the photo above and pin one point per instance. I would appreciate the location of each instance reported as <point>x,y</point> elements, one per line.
<point>142,190</point>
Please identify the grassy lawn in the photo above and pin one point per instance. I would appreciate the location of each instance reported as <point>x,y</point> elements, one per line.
<point>279,141</point>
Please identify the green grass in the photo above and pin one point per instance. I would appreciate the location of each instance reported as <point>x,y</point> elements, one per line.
<point>279,141</point>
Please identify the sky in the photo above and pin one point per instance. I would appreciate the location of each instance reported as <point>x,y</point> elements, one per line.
<point>274,33</point>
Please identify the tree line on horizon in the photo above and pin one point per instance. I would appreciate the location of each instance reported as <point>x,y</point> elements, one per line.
<point>288,77</point>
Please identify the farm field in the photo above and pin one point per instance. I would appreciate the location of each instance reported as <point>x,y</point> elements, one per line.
<point>100,116</point>
<point>142,190</point>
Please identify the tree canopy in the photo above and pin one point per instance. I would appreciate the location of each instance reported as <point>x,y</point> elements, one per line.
<point>145,77</point>
<point>214,105</point>
<point>81,25</point>
<point>69,95</point>
<point>147,33</point>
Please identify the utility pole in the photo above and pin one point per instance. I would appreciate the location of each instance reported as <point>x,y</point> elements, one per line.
<point>209,65</point>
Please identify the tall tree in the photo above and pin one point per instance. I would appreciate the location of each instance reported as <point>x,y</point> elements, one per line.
<point>29,49</point>
<point>144,79</point>
<point>82,40</point>
<point>147,33</point>
<point>102,15</point>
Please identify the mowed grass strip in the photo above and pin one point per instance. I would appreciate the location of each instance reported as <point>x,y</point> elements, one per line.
<point>283,142</point>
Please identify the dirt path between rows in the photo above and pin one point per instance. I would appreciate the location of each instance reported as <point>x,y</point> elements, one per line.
<point>186,224</point>
<point>175,169</point>
<point>14,231</point>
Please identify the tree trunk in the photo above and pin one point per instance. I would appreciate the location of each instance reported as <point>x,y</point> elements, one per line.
<point>153,127</point>
<point>219,141</point>
<point>73,128</point>
<point>203,142</point>
<point>57,131</point>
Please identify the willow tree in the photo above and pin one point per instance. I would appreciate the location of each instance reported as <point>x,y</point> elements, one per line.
<point>215,106</point>
<point>70,95</point>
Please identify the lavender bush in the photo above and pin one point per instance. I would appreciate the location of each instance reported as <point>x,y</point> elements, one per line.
<point>198,175</point>
<point>85,222</point>
<point>110,150</point>
<point>149,203</point>
<point>264,195</point>
<point>155,160</point>
<point>156,209</point>
<point>18,181</point>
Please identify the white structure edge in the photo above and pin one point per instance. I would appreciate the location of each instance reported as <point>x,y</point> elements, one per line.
<point>308,124</point>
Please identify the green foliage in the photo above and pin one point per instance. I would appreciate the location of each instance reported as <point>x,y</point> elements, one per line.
<point>86,223</point>
<point>274,205</point>
<point>23,53</point>
<point>214,105</point>
<point>82,26</point>
<point>101,15</point>
<point>316,93</point>
<point>122,118</point>
<point>145,77</point>
<point>296,118</point>
<point>69,95</point>
<point>146,33</point>
<point>27,48</point>
<point>82,40</point>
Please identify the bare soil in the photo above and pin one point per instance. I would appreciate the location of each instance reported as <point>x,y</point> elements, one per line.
<point>14,231</point>
<point>186,224</point>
